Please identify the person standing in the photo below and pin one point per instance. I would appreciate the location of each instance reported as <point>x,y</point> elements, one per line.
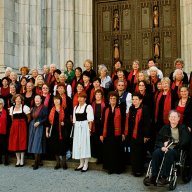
<point>18,133</point>
<point>36,130</point>
<point>82,119</point>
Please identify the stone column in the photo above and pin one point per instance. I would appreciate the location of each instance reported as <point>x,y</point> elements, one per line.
<point>2,39</point>
<point>186,28</point>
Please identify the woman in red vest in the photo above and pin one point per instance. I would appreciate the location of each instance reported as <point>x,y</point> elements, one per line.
<point>111,136</point>
<point>3,133</point>
<point>137,130</point>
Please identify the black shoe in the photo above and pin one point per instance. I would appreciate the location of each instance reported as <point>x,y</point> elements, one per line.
<point>35,167</point>
<point>6,163</point>
<point>84,170</point>
<point>148,181</point>
<point>57,166</point>
<point>138,174</point>
<point>78,168</point>
<point>163,181</point>
<point>17,165</point>
<point>22,165</point>
<point>64,166</point>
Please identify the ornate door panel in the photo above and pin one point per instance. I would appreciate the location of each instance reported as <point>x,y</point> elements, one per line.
<point>138,29</point>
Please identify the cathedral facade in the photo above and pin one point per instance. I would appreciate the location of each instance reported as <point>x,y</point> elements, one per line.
<point>38,32</point>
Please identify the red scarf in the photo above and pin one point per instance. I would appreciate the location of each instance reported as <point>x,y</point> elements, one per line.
<point>61,118</point>
<point>137,120</point>
<point>102,107</point>
<point>153,82</point>
<point>50,78</point>
<point>36,111</point>
<point>130,76</point>
<point>137,88</point>
<point>74,83</point>
<point>38,91</point>
<point>174,85</point>
<point>117,122</point>
<point>3,122</point>
<point>46,102</point>
<point>64,101</point>
<point>167,106</point>
<point>5,91</point>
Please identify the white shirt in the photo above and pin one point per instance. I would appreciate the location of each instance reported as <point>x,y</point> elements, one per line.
<point>81,109</point>
<point>26,110</point>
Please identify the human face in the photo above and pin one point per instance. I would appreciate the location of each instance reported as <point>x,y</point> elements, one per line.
<point>13,77</point>
<point>81,100</point>
<point>142,86</point>
<point>153,73</point>
<point>77,73</point>
<point>12,89</point>
<point>141,77</point>
<point>98,97</point>
<point>136,101</point>
<point>135,66</point>
<point>151,63</point>
<point>69,66</point>
<point>56,102</point>
<point>184,93</point>
<point>56,75</point>
<point>52,67</point>
<point>178,65</point>
<point>121,86</point>
<point>117,65</point>
<point>179,76</point>
<point>96,84</point>
<point>120,74</point>
<point>61,90</point>
<point>5,83</point>
<point>103,73</point>
<point>18,100</point>
<point>85,79</point>
<point>34,73</point>
<point>113,100</point>
<point>62,79</point>
<point>159,86</point>
<point>23,72</point>
<point>29,86</point>
<point>174,118</point>
<point>38,100</point>
<point>165,85</point>
<point>87,66</point>
<point>23,82</point>
<point>79,88</point>
<point>7,74</point>
<point>40,81</point>
<point>45,89</point>
<point>46,70</point>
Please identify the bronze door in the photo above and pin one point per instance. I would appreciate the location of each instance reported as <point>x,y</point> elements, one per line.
<point>137,29</point>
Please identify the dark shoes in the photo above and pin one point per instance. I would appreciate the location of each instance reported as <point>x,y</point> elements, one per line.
<point>149,181</point>
<point>65,166</point>
<point>163,181</point>
<point>78,168</point>
<point>57,166</point>
<point>138,174</point>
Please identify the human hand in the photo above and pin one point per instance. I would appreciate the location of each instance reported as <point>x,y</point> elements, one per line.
<point>36,124</point>
<point>101,138</point>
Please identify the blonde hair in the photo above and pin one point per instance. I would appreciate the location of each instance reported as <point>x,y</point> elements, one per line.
<point>88,61</point>
<point>37,80</point>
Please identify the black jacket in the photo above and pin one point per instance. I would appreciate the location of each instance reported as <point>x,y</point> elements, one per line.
<point>165,132</point>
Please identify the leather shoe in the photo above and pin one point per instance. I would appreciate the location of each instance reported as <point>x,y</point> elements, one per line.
<point>84,170</point>
<point>78,168</point>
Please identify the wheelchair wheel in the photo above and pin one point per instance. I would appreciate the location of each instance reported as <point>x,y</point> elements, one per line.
<point>172,184</point>
<point>185,169</point>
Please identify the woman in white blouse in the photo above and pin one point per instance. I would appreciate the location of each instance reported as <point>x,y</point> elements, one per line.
<point>18,133</point>
<point>82,119</point>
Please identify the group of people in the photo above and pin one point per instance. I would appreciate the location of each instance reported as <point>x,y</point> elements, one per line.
<point>109,117</point>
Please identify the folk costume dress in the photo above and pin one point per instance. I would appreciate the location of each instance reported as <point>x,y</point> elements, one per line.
<point>36,142</point>
<point>18,131</point>
<point>81,139</point>
<point>112,144</point>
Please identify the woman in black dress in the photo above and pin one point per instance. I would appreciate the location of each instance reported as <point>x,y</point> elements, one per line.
<point>57,133</point>
<point>111,136</point>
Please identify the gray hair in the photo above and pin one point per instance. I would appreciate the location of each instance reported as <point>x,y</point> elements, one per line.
<point>176,71</point>
<point>2,101</point>
<point>179,60</point>
<point>102,67</point>
<point>174,111</point>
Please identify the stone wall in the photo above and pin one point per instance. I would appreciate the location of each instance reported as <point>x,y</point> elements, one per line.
<point>38,32</point>
<point>186,37</point>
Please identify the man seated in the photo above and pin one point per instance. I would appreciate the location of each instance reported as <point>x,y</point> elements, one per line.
<point>181,139</point>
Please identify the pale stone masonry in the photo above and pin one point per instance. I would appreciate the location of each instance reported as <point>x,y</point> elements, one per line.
<point>38,32</point>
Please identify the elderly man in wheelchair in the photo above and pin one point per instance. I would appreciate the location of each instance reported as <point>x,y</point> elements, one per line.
<point>171,139</point>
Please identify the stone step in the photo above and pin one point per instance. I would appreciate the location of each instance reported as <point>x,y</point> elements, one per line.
<point>70,163</point>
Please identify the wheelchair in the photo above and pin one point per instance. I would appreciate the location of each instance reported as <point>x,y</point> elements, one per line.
<point>180,167</point>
